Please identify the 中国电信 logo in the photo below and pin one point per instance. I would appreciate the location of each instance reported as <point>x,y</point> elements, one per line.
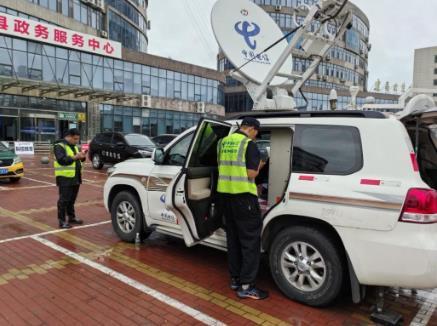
<point>248,31</point>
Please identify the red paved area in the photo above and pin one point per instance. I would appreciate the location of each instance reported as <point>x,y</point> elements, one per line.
<point>40,286</point>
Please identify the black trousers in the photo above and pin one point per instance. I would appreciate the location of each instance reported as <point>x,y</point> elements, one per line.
<point>67,198</point>
<point>243,231</point>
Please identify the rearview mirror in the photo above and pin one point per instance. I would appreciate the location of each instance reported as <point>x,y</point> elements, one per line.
<point>158,156</point>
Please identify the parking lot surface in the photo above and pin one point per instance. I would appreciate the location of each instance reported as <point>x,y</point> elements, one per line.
<point>87,276</point>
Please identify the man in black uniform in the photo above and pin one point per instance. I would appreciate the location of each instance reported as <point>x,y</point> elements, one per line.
<point>68,172</point>
<point>239,165</point>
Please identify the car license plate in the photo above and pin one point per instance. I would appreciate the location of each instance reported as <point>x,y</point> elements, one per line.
<point>4,171</point>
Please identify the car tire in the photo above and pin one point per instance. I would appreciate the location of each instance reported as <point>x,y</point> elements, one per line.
<point>127,217</point>
<point>314,282</point>
<point>14,180</point>
<point>97,161</point>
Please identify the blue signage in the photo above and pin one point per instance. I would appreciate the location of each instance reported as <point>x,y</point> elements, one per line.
<point>248,31</point>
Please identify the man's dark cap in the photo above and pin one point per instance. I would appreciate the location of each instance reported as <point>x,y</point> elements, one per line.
<point>251,122</point>
<point>72,132</point>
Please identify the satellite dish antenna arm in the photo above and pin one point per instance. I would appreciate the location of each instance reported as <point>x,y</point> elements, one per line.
<point>318,59</point>
<point>285,54</point>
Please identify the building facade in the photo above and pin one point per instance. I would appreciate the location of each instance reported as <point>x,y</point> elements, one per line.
<point>425,69</point>
<point>82,77</point>
<point>345,66</point>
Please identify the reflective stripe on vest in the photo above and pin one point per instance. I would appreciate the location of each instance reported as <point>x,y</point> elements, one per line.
<point>233,177</point>
<point>68,171</point>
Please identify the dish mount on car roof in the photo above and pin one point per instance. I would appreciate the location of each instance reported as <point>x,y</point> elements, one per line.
<point>310,114</point>
<point>255,45</point>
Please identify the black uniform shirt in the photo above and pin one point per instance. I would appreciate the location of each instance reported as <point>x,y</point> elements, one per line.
<point>64,160</point>
<point>253,156</point>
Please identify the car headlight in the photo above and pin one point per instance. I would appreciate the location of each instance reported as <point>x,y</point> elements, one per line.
<point>17,160</point>
<point>110,171</point>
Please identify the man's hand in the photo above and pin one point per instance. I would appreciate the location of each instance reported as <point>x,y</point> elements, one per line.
<point>261,165</point>
<point>79,156</point>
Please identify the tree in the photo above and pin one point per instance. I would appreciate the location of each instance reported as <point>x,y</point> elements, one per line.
<point>377,87</point>
<point>387,87</point>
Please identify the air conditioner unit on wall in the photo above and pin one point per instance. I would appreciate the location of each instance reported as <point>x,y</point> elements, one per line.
<point>104,34</point>
<point>100,4</point>
<point>278,8</point>
<point>146,101</point>
<point>201,107</point>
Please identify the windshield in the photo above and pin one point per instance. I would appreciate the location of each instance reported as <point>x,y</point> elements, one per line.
<point>139,140</point>
<point>3,148</point>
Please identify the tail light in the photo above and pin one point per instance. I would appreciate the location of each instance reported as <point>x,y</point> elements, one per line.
<point>420,207</point>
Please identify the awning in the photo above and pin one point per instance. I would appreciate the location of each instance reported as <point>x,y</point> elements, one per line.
<point>59,91</point>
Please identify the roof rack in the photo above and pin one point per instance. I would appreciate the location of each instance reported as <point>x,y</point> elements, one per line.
<point>310,114</point>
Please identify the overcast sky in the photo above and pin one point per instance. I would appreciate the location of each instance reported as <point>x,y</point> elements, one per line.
<point>181,30</point>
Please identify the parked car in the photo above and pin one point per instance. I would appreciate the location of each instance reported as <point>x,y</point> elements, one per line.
<point>348,199</point>
<point>115,147</point>
<point>163,140</point>
<point>11,165</point>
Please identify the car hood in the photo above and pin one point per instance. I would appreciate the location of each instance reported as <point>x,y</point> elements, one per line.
<point>145,148</point>
<point>140,166</point>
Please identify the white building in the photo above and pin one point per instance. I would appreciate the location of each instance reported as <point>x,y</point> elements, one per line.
<point>425,69</point>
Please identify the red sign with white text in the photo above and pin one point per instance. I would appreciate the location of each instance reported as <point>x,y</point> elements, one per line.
<point>46,33</point>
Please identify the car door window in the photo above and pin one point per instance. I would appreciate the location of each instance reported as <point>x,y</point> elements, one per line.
<point>331,150</point>
<point>118,139</point>
<point>105,139</point>
<point>178,152</point>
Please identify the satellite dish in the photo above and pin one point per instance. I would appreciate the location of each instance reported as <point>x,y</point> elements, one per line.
<point>243,30</point>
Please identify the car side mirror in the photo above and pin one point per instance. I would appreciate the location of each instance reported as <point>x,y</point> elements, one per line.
<point>158,156</point>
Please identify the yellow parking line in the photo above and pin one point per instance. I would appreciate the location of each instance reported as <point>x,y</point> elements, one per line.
<point>24,188</point>
<point>117,255</point>
<point>54,208</point>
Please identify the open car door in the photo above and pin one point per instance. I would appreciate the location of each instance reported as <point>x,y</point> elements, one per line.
<point>422,129</point>
<point>191,196</point>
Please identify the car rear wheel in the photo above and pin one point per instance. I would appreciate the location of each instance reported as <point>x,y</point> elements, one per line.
<point>307,266</point>
<point>97,161</point>
<point>127,217</point>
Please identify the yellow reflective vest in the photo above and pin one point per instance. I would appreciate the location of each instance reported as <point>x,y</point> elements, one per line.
<point>66,171</point>
<point>233,177</point>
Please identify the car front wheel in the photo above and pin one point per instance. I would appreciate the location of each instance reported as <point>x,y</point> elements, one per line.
<point>307,266</point>
<point>127,217</point>
<point>97,161</point>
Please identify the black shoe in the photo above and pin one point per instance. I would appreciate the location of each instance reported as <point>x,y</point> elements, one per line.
<point>235,284</point>
<point>252,293</point>
<point>64,225</point>
<point>75,221</point>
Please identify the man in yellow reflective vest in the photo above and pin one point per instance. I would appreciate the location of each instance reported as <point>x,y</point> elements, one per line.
<point>239,164</point>
<point>68,172</point>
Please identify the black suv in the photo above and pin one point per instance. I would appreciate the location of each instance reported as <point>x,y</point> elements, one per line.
<point>115,147</point>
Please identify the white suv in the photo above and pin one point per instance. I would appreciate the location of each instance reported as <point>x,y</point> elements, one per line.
<point>344,196</point>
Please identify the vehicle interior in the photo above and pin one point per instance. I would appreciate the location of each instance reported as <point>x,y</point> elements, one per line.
<point>423,133</point>
<point>202,174</point>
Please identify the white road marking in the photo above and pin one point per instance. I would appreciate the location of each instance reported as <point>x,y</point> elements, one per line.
<point>196,314</point>
<point>426,310</point>
<point>45,182</point>
<point>53,232</point>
